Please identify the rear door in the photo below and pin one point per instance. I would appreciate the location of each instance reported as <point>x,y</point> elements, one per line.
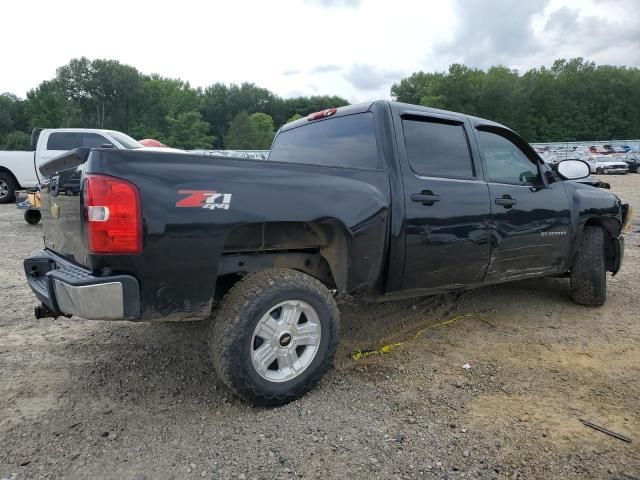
<point>530,231</point>
<point>446,203</point>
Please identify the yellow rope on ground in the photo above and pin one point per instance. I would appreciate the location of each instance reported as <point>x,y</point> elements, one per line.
<point>392,346</point>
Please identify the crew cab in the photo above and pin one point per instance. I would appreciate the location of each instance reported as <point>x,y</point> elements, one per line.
<point>19,170</point>
<point>381,200</point>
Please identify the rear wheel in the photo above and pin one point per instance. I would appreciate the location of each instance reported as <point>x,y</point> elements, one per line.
<point>588,273</point>
<point>8,187</point>
<point>274,336</point>
<point>599,171</point>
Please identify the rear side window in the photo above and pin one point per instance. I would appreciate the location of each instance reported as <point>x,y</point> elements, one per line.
<point>94,140</point>
<point>347,141</point>
<point>64,141</point>
<point>436,148</point>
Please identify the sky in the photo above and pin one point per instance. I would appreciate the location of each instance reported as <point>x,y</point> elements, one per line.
<point>353,48</point>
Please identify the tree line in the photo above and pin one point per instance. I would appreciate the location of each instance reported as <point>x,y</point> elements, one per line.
<point>108,94</point>
<point>572,100</point>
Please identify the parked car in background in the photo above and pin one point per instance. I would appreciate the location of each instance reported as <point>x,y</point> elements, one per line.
<point>248,154</point>
<point>633,160</point>
<point>598,149</point>
<point>602,164</point>
<point>614,149</point>
<point>19,170</point>
<point>569,155</point>
<point>548,157</point>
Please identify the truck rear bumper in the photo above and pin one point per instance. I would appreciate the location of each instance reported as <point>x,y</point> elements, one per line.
<point>70,290</point>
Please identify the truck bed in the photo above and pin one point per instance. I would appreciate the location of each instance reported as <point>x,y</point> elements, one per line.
<point>255,206</point>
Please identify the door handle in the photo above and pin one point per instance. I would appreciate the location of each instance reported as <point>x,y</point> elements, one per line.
<point>426,197</point>
<point>506,201</point>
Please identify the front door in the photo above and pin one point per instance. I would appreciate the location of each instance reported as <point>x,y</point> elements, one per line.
<point>447,210</point>
<point>530,228</point>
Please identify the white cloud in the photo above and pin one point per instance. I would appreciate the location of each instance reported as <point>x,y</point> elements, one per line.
<point>352,48</point>
<point>335,3</point>
<point>370,77</point>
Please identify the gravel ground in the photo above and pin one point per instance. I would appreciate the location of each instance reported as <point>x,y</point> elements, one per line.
<point>85,399</point>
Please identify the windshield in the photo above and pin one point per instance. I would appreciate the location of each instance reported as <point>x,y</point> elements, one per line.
<point>125,140</point>
<point>603,160</point>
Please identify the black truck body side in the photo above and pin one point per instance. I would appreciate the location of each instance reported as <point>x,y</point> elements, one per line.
<point>373,232</point>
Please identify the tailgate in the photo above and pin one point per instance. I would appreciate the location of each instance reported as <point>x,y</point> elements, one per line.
<point>61,205</point>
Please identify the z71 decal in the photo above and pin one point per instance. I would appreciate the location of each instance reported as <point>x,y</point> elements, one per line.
<point>209,199</point>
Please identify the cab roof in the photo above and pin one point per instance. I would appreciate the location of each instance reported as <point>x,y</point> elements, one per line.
<point>397,107</point>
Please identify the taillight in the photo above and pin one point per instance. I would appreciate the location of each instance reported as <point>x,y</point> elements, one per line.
<point>323,114</point>
<point>113,216</point>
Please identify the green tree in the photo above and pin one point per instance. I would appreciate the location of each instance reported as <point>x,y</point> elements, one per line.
<point>188,130</point>
<point>48,107</point>
<point>220,104</point>
<point>294,117</point>
<point>162,98</point>
<point>12,114</point>
<point>242,133</point>
<point>105,92</point>
<point>17,140</point>
<point>264,130</point>
<point>574,99</point>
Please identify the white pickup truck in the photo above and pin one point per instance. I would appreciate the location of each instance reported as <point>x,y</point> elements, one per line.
<point>19,170</point>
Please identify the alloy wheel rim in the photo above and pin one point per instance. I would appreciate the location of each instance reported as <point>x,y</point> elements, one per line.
<point>285,341</point>
<point>4,189</point>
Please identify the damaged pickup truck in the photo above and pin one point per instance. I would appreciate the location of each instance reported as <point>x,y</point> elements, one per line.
<point>381,200</point>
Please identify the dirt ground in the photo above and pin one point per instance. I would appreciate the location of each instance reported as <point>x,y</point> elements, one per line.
<point>85,399</point>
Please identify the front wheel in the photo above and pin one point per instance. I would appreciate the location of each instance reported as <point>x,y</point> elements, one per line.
<point>599,171</point>
<point>274,336</point>
<point>588,272</point>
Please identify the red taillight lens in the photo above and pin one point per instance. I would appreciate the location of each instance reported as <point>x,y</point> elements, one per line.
<point>112,212</point>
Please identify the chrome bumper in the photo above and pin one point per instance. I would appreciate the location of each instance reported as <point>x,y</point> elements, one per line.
<point>70,290</point>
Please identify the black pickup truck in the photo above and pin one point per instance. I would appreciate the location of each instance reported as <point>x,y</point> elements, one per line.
<point>382,200</point>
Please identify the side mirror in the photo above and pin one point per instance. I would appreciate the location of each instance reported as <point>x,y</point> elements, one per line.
<point>573,169</point>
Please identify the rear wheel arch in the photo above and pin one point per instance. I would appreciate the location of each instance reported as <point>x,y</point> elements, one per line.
<point>318,248</point>
<point>611,228</point>
<point>6,170</point>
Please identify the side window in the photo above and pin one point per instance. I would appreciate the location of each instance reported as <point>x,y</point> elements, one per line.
<point>64,141</point>
<point>94,140</point>
<point>506,163</point>
<point>347,141</point>
<point>436,148</point>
